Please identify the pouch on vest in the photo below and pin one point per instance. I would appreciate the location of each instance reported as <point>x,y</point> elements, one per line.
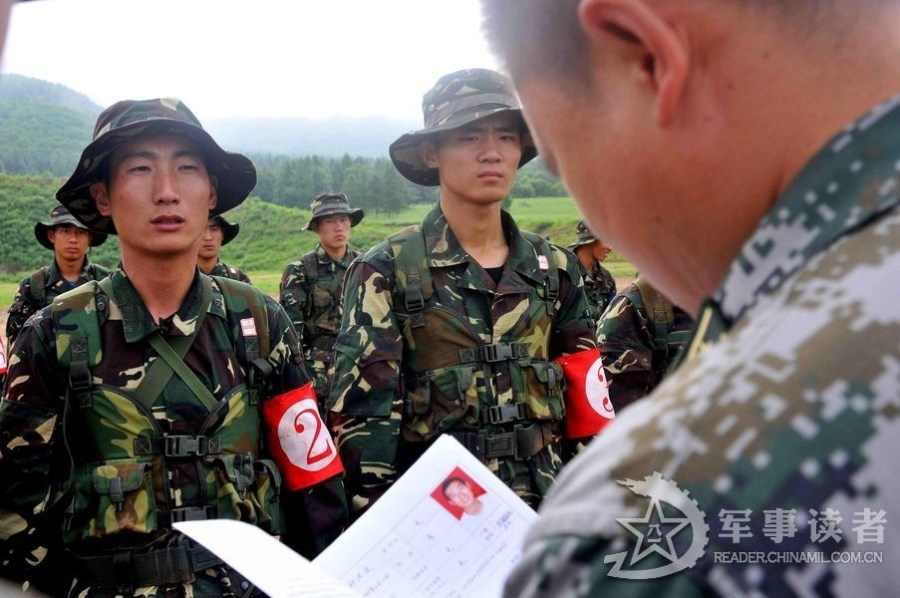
<point>588,406</point>
<point>115,496</point>
<point>298,439</point>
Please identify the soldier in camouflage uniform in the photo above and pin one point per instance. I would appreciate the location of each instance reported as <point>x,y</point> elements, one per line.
<point>69,240</point>
<point>599,284</point>
<point>219,232</point>
<point>452,326</point>
<point>640,335</point>
<point>154,396</point>
<point>776,220</point>
<point>310,289</point>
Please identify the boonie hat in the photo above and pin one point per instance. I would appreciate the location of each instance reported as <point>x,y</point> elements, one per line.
<point>132,119</point>
<point>229,231</point>
<point>330,203</point>
<point>583,236</point>
<point>456,100</point>
<point>60,216</point>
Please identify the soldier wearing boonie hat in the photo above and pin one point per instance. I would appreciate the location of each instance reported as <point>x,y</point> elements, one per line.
<point>219,232</point>
<point>159,388</point>
<point>599,284</point>
<point>455,325</point>
<point>310,289</point>
<point>70,241</point>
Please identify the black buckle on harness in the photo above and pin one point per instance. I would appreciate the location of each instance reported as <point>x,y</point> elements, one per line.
<point>495,352</point>
<point>190,514</point>
<point>501,414</point>
<point>185,446</point>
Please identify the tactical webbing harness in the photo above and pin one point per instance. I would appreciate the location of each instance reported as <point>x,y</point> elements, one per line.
<point>413,288</point>
<point>665,341</point>
<point>37,282</point>
<point>176,564</point>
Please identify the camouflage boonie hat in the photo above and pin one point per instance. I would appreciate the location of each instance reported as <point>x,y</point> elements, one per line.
<point>59,216</point>
<point>583,236</point>
<point>132,119</point>
<point>330,203</point>
<point>229,231</point>
<point>456,100</point>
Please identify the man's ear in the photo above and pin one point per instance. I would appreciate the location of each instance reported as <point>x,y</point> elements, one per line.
<point>51,234</point>
<point>428,153</point>
<point>657,48</point>
<point>213,193</point>
<point>100,193</point>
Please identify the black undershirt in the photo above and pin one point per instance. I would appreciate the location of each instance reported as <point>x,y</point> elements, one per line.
<point>495,273</point>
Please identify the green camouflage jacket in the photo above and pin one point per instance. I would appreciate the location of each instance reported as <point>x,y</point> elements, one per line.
<point>600,288</point>
<point>35,399</point>
<point>228,271</point>
<point>312,301</point>
<point>778,435</point>
<point>385,409</point>
<point>24,304</point>
<point>626,336</point>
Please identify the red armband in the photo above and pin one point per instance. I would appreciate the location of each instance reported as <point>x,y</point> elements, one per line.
<point>588,408</point>
<point>298,440</point>
<point>3,362</point>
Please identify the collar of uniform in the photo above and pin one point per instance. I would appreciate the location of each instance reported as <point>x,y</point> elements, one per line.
<point>852,180</point>
<point>54,276</point>
<point>444,249</point>
<point>137,323</point>
<point>323,258</point>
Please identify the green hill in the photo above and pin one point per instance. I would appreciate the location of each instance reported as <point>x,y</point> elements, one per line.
<point>43,126</point>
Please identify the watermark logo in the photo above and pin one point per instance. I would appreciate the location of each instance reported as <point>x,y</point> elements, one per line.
<point>656,531</point>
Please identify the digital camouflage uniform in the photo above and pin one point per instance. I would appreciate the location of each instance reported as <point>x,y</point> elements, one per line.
<point>639,338</point>
<point>313,303</point>
<point>33,446</point>
<point>232,272</point>
<point>481,356</point>
<point>789,399</point>
<point>29,301</point>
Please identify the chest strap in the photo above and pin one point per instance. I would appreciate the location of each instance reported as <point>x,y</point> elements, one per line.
<point>523,442</point>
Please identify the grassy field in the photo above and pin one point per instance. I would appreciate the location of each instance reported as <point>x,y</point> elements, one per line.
<point>271,236</point>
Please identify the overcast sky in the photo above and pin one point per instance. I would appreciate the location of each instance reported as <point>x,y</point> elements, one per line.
<point>297,58</point>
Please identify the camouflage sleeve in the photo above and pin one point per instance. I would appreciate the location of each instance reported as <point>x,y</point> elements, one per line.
<point>30,452</point>
<point>575,567</point>
<point>19,312</point>
<point>573,328</point>
<point>366,396</point>
<point>292,294</point>
<point>627,352</point>
<point>318,514</point>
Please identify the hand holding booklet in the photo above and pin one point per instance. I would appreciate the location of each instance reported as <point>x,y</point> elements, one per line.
<point>447,528</point>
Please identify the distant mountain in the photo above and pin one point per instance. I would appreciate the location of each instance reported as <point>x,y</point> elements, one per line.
<point>332,137</point>
<point>43,126</point>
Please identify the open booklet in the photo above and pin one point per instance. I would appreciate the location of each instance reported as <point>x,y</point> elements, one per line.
<point>448,528</point>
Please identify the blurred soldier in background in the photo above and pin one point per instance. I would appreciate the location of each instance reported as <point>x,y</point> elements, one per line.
<point>599,284</point>
<point>640,335</point>
<point>310,288</point>
<point>219,232</point>
<point>70,240</point>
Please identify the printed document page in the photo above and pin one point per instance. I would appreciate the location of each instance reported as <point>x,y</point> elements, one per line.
<point>448,528</point>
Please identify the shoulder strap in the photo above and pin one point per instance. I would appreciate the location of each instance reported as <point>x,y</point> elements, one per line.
<point>310,269</point>
<point>661,314</point>
<point>239,296</point>
<point>551,281</point>
<point>412,277</point>
<point>78,346</point>
<point>37,283</point>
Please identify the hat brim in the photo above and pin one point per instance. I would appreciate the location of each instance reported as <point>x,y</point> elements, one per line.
<point>577,244</point>
<point>356,215</point>
<point>41,228</point>
<point>407,158</point>
<point>229,231</point>
<point>235,174</point>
